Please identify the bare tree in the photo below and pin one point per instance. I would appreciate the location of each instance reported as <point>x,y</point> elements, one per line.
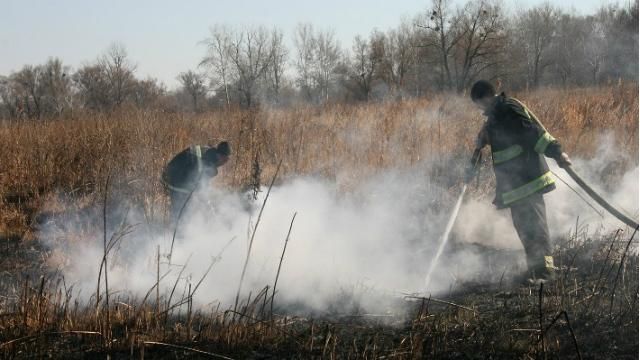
<point>193,85</point>
<point>595,48</point>
<point>147,93</point>
<point>442,38</point>
<point>565,47</point>
<point>218,57</point>
<point>56,87</point>
<point>326,58</point>
<point>398,56</point>
<point>29,90</point>
<point>317,58</point>
<point>482,41</point>
<point>276,69</point>
<point>93,87</point>
<point>469,42</point>
<point>7,99</point>
<point>251,54</point>
<point>304,62</point>
<point>620,27</point>
<point>363,65</point>
<point>36,91</point>
<point>537,27</point>
<point>450,47</point>
<point>119,72</point>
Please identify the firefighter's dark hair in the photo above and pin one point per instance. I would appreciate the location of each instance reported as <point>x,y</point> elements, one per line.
<point>223,148</point>
<point>482,89</point>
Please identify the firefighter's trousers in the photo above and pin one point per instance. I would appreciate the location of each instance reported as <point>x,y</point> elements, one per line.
<point>530,220</point>
<point>178,201</point>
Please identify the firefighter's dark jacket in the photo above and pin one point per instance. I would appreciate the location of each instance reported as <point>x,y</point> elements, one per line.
<point>518,142</point>
<point>189,167</point>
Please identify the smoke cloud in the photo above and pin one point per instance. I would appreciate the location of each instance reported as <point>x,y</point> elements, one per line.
<point>376,239</point>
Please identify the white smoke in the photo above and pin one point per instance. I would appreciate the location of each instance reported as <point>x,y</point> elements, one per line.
<point>378,238</point>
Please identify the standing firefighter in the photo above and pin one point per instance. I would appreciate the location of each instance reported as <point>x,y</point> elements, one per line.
<point>189,168</point>
<point>518,142</point>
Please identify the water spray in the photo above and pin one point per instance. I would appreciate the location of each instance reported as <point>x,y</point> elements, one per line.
<point>475,160</point>
<point>445,237</point>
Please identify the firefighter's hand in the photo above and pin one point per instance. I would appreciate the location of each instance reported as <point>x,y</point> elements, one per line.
<point>563,160</point>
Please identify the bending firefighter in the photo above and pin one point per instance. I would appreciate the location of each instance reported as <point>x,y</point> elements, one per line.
<point>519,144</point>
<point>191,167</point>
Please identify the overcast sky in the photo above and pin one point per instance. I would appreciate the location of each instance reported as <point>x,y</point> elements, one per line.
<point>162,37</point>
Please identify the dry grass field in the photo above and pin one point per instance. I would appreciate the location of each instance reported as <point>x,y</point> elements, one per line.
<point>592,313</point>
<point>341,142</point>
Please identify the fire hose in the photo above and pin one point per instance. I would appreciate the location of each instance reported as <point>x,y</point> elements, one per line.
<point>589,190</point>
<point>595,196</point>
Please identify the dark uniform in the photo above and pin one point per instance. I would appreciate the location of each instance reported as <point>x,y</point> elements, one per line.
<point>185,171</point>
<point>518,142</point>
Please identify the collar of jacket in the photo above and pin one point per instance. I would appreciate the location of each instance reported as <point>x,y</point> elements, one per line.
<point>498,99</point>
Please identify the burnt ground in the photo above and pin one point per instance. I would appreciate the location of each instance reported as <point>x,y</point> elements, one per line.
<point>590,312</point>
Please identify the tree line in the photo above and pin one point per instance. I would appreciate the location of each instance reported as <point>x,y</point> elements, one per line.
<point>443,49</point>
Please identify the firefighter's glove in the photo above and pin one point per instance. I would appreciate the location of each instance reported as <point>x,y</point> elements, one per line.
<point>563,160</point>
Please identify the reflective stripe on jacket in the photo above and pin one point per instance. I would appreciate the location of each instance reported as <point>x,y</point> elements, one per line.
<point>519,143</point>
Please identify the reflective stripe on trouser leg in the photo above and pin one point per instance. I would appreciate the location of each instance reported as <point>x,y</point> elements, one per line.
<point>530,220</point>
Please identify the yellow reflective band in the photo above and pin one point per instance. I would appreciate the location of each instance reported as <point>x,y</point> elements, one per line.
<point>197,151</point>
<point>527,189</point>
<point>507,154</point>
<point>180,190</point>
<point>543,142</point>
<point>175,188</point>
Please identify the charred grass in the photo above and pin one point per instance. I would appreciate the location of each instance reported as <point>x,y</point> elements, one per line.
<point>590,311</point>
